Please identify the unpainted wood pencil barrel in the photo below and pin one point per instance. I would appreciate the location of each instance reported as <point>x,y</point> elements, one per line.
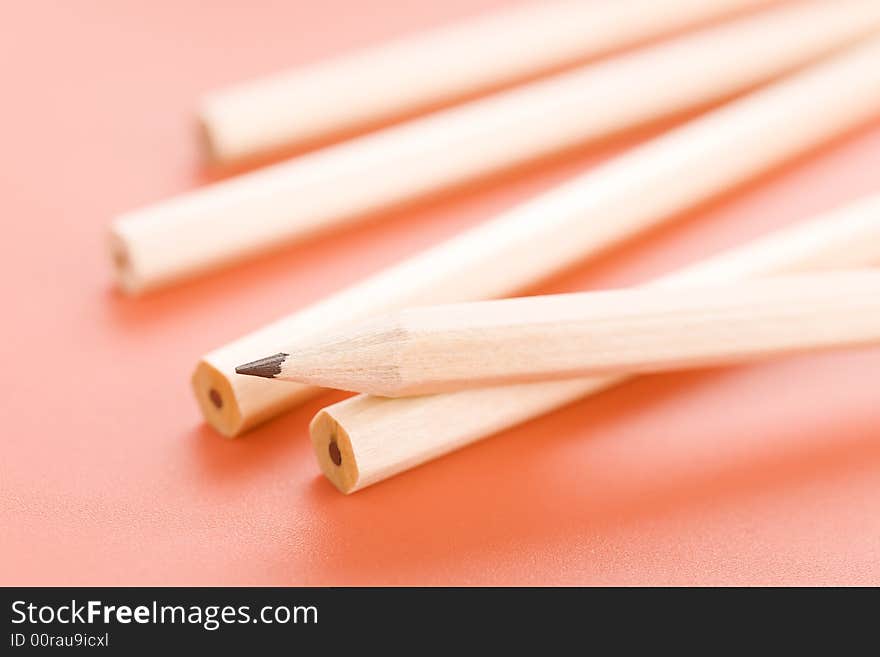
<point>433,349</point>
<point>363,440</point>
<point>627,196</point>
<point>406,75</point>
<point>239,218</point>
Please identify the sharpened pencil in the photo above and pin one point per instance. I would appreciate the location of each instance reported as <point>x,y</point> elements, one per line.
<point>363,440</point>
<point>238,219</point>
<point>432,349</point>
<point>580,219</point>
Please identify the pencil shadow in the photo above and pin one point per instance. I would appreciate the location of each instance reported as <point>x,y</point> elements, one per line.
<point>505,490</point>
<point>283,443</point>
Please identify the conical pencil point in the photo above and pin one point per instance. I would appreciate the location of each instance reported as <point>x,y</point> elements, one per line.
<point>268,367</point>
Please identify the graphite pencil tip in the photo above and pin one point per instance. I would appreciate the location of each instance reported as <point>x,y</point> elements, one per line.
<point>268,367</point>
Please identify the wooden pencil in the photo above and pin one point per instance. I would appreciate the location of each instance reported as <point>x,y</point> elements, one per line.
<point>580,219</point>
<point>365,439</point>
<point>239,218</point>
<point>433,349</point>
<point>440,66</point>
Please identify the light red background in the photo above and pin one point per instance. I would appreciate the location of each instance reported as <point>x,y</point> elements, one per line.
<point>766,474</point>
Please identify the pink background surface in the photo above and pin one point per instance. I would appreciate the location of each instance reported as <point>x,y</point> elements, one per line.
<point>761,474</point>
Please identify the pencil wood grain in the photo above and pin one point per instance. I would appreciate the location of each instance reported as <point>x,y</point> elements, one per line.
<point>432,349</point>
<point>379,437</point>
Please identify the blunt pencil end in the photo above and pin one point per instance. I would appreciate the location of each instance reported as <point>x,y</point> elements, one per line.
<point>268,367</point>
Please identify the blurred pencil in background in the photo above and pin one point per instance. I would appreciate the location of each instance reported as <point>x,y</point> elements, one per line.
<point>627,196</point>
<point>447,64</point>
<point>270,208</point>
<point>363,440</point>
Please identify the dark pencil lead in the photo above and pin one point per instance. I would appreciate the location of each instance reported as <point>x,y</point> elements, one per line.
<point>268,367</point>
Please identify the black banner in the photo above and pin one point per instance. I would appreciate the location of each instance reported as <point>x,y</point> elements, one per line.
<point>124,620</point>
